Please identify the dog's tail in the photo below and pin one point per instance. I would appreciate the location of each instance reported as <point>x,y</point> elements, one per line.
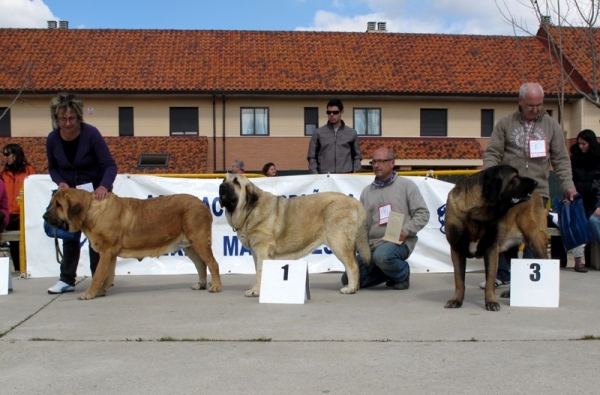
<point>362,237</point>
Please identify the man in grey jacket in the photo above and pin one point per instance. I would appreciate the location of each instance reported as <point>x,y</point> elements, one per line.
<point>387,193</point>
<point>529,139</point>
<point>334,147</point>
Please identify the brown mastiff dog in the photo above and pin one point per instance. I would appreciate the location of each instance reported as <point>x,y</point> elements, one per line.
<point>487,213</point>
<point>274,227</point>
<point>136,228</point>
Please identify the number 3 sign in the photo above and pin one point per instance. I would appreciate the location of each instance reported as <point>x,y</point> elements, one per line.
<point>535,282</point>
<point>284,282</point>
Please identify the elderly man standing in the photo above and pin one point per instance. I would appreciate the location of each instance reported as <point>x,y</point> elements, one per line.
<point>529,139</point>
<point>389,192</point>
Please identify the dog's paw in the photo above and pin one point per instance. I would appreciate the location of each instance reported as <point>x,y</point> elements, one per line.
<point>199,285</point>
<point>453,304</point>
<point>492,306</point>
<point>347,290</point>
<point>252,292</point>
<point>505,294</point>
<point>85,296</point>
<point>214,287</point>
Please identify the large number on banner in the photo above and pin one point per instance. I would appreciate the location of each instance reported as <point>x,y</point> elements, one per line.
<point>534,282</point>
<point>5,278</point>
<point>284,282</point>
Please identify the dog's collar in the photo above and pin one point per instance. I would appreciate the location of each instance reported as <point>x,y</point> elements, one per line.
<point>521,200</point>
<point>245,220</point>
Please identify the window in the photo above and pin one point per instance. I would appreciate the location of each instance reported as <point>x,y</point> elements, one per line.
<point>4,122</point>
<point>367,121</point>
<point>183,121</point>
<point>153,160</point>
<point>487,122</point>
<point>434,122</point>
<point>125,121</point>
<point>311,120</point>
<point>255,122</point>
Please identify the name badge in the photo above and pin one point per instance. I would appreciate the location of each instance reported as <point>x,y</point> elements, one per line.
<point>537,148</point>
<point>384,213</point>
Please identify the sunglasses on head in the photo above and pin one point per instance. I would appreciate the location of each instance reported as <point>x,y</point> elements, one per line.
<point>332,112</point>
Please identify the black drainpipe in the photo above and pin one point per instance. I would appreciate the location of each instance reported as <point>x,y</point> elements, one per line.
<point>224,159</point>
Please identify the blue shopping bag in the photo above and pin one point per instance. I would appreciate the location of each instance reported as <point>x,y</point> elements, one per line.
<point>572,222</point>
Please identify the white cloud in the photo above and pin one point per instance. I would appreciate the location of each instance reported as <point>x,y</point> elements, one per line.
<point>25,14</point>
<point>431,16</point>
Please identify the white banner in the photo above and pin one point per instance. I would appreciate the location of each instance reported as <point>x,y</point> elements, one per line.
<point>432,253</point>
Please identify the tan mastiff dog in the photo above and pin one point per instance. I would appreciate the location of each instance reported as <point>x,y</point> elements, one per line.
<point>274,227</point>
<point>136,228</point>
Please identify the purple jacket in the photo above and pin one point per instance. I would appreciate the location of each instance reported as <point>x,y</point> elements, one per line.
<point>93,161</point>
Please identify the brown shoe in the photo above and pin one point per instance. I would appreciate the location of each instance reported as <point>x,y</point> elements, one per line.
<point>580,267</point>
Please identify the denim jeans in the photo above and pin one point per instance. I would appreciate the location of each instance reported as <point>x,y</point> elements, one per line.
<point>595,226</point>
<point>388,262</point>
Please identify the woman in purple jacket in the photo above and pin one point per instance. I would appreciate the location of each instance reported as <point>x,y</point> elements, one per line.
<point>77,155</point>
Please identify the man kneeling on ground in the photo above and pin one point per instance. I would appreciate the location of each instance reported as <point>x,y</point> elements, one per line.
<point>387,193</point>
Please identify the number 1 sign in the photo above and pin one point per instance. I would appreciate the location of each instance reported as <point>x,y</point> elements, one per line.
<point>534,282</point>
<point>284,282</point>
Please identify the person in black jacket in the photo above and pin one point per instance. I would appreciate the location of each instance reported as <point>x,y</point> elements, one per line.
<point>585,164</point>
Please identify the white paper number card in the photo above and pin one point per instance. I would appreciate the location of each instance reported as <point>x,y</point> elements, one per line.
<point>284,281</point>
<point>535,282</point>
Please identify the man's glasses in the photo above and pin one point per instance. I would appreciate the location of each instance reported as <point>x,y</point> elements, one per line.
<point>332,112</point>
<point>379,161</point>
<point>534,106</point>
<point>65,120</point>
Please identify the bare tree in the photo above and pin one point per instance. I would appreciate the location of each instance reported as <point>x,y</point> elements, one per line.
<point>567,27</point>
<point>24,85</point>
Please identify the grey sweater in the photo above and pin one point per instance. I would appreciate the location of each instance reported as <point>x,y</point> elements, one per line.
<point>509,145</point>
<point>405,198</point>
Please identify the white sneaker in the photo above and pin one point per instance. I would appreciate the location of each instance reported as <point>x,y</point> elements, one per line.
<point>497,283</point>
<point>60,287</point>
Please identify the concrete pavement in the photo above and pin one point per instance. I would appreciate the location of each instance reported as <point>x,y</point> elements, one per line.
<point>153,334</point>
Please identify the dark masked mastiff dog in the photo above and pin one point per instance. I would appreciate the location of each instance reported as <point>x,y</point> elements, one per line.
<point>489,212</point>
<point>136,228</point>
<point>274,227</point>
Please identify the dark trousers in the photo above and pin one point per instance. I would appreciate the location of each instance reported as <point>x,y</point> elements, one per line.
<point>14,224</point>
<point>70,261</point>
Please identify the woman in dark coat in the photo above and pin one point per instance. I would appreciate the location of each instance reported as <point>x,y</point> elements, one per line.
<point>585,163</point>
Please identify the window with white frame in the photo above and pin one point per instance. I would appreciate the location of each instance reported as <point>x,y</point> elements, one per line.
<point>254,121</point>
<point>367,121</point>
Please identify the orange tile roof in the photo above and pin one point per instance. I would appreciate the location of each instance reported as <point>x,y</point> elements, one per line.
<point>578,52</point>
<point>197,61</point>
<point>187,154</point>
<point>424,148</point>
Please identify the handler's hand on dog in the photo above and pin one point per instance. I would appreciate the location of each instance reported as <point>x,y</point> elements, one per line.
<point>63,185</point>
<point>101,193</point>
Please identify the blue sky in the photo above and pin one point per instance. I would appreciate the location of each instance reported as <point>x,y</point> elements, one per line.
<point>401,16</point>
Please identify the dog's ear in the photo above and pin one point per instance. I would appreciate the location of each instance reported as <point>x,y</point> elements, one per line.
<point>491,186</point>
<point>251,196</point>
<point>74,210</point>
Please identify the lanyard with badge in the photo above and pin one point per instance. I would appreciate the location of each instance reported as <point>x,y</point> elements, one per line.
<point>536,148</point>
